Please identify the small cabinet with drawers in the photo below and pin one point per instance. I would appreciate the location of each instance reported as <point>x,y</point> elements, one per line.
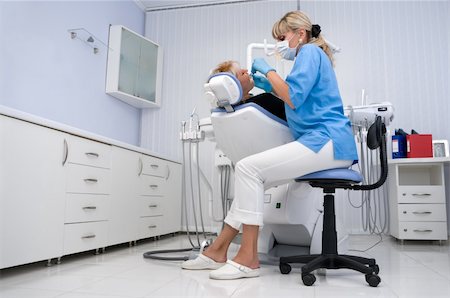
<point>417,199</point>
<point>152,180</point>
<point>88,187</point>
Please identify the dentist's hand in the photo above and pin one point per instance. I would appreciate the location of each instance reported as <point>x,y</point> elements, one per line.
<point>262,82</point>
<point>259,64</point>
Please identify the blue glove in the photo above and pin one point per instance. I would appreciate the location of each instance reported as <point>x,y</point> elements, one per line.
<point>259,64</point>
<point>262,83</point>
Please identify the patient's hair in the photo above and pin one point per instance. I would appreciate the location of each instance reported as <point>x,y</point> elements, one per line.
<point>226,66</point>
<point>295,20</point>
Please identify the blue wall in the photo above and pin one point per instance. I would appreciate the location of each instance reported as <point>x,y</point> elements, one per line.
<point>46,73</point>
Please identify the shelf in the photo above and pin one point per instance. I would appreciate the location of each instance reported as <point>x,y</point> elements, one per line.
<point>420,174</point>
<point>418,160</point>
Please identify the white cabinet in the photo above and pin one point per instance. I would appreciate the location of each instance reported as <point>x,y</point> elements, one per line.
<point>62,193</point>
<point>88,187</point>
<point>32,190</point>
<point>123,220</point>
<point>146,197</point>
<point>172,199</point>
<point>417,199</point>
<point>160,197</point>
<point>134,68</point>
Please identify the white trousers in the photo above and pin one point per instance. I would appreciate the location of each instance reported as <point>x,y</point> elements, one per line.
<point>276,166</point>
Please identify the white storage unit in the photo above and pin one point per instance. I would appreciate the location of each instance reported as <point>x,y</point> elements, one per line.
<point>134,69</point>
<point>88,187</point>
<point>31,192</point>
<point>417,199</point>
<point>64,191</point>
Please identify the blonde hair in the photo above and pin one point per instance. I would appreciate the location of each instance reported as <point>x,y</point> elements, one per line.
<point>295,20</point>
<point>227,66</point>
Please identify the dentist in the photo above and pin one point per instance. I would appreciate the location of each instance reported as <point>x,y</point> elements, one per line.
<point>323,140</point>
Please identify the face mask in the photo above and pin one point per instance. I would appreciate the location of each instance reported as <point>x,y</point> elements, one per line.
<point>282,47</point>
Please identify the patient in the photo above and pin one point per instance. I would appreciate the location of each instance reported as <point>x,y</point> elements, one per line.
<point>267,101</point>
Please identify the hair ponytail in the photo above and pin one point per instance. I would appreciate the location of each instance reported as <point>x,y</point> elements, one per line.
<point>321,43</point>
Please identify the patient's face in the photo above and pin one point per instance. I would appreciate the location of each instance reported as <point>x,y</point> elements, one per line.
<point>246,80</point>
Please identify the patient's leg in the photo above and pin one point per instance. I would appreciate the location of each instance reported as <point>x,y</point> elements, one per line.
<point>218,249</point>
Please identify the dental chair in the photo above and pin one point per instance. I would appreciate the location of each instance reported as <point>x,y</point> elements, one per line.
<point>293,211</point>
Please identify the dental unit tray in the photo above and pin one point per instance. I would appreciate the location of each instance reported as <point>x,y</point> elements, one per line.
<point>364,116</point>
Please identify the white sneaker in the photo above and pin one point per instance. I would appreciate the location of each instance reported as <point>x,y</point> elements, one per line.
<point>202,262</point>
<point>233,270</point>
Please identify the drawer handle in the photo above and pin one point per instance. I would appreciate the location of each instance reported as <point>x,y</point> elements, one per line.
<point>423,230</point>
<point>421,194</point>
<point>92,154</point>
<point>66,152</point>
<point>152,206</point>
<point>141,166</point>
<point>154,166</point>
<point>89,208</point>
<point>90,180</point>
<point>153,186</point>
<point>152,226</point>
<point>88,236</point>
<point>422,212</point>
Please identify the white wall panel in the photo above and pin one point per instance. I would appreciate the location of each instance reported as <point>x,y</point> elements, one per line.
<point>395,50</point>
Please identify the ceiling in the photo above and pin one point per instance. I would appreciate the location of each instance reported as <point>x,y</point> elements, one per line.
<point>149,5</point>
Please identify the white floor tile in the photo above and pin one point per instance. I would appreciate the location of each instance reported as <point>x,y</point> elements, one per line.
<point>414,269</point>
<point>123,287</point>
<point>197,284</point>
<point>57,282</point>
<point>88,295</point>
<point>14,292</point>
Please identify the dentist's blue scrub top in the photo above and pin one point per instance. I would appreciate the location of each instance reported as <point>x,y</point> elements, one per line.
<point>318,114</point>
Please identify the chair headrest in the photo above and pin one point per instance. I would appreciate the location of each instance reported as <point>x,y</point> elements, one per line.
<point>223,90</point>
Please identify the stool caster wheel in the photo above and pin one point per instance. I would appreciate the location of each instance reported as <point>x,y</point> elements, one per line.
<point>375,268</point>
<point>308,279</point>
<point>373,280</point>
<point>285,268</point>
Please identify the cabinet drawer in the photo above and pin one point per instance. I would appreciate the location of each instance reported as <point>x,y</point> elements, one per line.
<point>423,230</point>
<point>150,226</point>
<point>85,179</point>
<point>150,206</point>
<point>86,207</point>
<point>84,236</point>
<point>422,212</point>
<point>86,152</point>
<point>421,194</point>
<point>154,166</point>
<point>152,186</point>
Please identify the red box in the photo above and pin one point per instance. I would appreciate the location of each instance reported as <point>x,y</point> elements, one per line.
<point>419,145</point>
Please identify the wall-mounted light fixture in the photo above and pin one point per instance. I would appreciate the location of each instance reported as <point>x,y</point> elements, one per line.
<point>88,38</point>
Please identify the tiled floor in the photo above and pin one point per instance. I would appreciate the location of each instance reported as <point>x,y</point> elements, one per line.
<point>415,269</point>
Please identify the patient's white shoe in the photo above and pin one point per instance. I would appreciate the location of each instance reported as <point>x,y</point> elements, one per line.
<point>202,262</point>
<point>233,270</point>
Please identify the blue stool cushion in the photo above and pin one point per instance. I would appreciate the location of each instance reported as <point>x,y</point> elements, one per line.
<point>333,174</point>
